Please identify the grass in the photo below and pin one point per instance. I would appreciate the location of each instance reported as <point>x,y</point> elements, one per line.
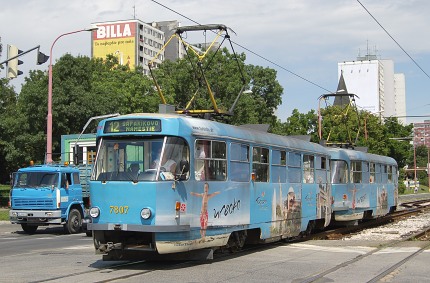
<point>4,198</point>
<point>4,214</point>
<point>421,189</point>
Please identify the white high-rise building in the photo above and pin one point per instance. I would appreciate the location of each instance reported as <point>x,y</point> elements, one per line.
<point>379,90</point>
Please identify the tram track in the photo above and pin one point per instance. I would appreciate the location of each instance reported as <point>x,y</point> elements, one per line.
<point>423,234</point>
<point>337,233</point>
<point>387,271</point>
<point>127,270</point>
<point>135,269</point>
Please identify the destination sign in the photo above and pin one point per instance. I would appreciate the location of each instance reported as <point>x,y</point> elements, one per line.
<point>132,125</point>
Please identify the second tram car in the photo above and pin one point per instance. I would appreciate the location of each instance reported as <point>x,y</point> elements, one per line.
<point>364,185</point>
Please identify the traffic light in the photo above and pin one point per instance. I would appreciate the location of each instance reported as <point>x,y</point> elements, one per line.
<point>12,65</point>
<point>41,57</point>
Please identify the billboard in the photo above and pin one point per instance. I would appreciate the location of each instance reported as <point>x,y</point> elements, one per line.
<point>117,38</point>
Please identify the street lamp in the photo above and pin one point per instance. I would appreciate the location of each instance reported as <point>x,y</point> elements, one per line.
<point>49,118</point>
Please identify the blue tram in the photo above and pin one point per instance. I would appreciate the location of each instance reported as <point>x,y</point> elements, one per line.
<point>364,185</point>
<point>166,183</point>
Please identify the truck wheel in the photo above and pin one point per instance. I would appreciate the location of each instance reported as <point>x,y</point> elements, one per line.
<point>29,229</point>
<point>74,222</point>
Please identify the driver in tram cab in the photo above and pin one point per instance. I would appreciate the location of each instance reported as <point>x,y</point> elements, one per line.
<point>134,169</point>
<point>169,165</point>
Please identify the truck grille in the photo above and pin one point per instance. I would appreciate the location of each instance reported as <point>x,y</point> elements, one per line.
<point>33,203</point>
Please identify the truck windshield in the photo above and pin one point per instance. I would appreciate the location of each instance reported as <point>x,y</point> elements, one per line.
<point>147,159</point>
<point>36,179</point>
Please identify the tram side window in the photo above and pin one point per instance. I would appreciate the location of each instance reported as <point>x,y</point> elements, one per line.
<point>279,164</point>
<point>294,167</point>
<point>356,172</point>
<point>395,175</point>
<point>339,172</point>
<point>321,172</point>
<point>260,164</point>
<point>210,160</point>
<point>365,175</point>
<point>378,176</point>
<point>389,174</point>
<point>308,169</point>
<point>384,178</point>
<point>372,172</point>
<point>239,164</point>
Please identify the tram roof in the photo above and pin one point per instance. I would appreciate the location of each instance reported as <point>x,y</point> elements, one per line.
<point>342,153</point>
<point>208,128</point>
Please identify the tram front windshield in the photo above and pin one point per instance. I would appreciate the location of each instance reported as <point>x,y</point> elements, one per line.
<point>142,159</point>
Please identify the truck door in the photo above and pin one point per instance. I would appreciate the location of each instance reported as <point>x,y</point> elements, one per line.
<point>66,194</point>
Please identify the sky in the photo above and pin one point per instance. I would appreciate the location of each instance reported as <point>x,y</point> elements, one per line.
<point>303,40</point>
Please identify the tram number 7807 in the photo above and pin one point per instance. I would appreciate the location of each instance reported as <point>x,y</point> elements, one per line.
<point>118,209</point>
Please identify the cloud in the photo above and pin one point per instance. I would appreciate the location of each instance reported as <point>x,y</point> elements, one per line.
<point>305,37</point>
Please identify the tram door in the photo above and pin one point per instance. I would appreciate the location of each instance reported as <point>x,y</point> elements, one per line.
<point>322,177</point>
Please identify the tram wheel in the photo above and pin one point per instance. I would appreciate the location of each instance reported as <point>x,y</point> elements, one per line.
<point>236,241</point>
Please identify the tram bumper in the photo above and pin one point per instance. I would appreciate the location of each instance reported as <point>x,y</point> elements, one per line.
<point>121,239</point>
<point>137,228</point>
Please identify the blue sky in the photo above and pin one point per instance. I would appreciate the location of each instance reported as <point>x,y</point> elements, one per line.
<point>302,39</point>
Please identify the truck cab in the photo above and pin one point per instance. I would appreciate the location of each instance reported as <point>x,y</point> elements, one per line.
<point>44,195</point>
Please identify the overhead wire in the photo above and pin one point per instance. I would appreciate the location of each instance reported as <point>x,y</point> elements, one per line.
<point>398,44</point>
<point>249,50</point>
<point>291,72</point>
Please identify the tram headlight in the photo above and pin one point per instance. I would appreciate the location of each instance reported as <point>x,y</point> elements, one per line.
<point>145,213</point>
<point>94,212</point>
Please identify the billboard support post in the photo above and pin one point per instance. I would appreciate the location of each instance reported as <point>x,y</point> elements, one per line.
<point>49,117</point>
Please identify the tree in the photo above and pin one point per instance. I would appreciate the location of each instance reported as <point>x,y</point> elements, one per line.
<point>82,88</point>
<point>400,150</point>
<point>299,124</point>
<point>341,125</point>
<point>180,80</point>
<point>421,158</point>
<point>8,98</point>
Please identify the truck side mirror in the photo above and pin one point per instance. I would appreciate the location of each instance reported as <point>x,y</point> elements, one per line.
<point>12,179</point>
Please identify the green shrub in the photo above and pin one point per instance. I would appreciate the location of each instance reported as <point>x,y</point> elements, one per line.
<point>4,214</point>
<point>4,195</point>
